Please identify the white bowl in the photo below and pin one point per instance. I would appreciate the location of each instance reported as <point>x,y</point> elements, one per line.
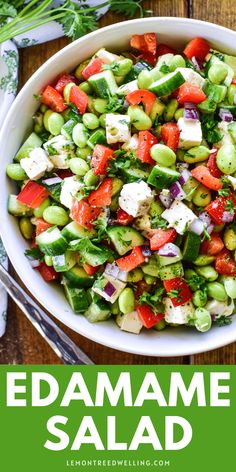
<point>170,342</point>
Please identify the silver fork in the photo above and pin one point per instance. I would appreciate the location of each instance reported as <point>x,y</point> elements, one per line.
<point>61,344</point>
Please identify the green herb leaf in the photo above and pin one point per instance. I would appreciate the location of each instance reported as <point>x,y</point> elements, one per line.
<point>35,253</point>
<point>128,8</point>
<point>223,321</point>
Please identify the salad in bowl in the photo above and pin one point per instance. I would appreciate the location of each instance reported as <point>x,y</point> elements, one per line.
<point>126,186</point>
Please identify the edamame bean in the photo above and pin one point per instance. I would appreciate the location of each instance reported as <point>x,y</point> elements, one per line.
<point>202,320</point>
<point>226,159</point>
<point>115,308</point>
<point>160,325</point>
<point>85,87</point>
<point>90,120</point>
<point>163,155</point>
<point>78,166</point>
<point>114,203</point>
<point>122,67</point>
<point>196,154</point>
<point>217,291</point>
<point>43,108</point>
<point>191,274</point>
<point>203,260</point>
<point>90,106</point>
<point>156,74</point>
<point>179,114</point>
<point>79,69</point>
<point>55,215</point>
<point>38,212</point>
<point>135,275</point>
<point>100,104</point>
<point>139,119</point>
<point>26,227</point>
<point>176,61</point>
<point>83,153</point>
<point>208,272</point>
<point>80,135</point>
<point>149,279</point>
<point>102,120</point>
<point>230,286</point>
<point>218,73</point>
<point>117,185</point>
<point>126,301</point>
<point>231,128</point>
<point>156,208</point>
<point>180,153</point>
<point>66,91</point>
<point>170,109</point>
<point>144,79</point>
<point>157,109</point>
<point>46,116</point>
<point>231,90</point>
<point>202,196</point>
<point>37,128</point>
<point>199,298</point>
<point>90,178</point>
<point>48,260</point>
<point>55,123</point>
<point>230,239</point>
<point>15,172</point>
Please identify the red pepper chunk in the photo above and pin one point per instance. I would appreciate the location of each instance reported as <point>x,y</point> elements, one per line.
<point>123,218</point>
<point>134,259</point>
<point>225,264</point>
<point>147,316</point>
<point>101,156</point>
<point>93,67</point>
<point>218,208</point>
<point>178,286</point>
<point>170,135</point>
<point>212,166</point>
<point>164,49</point>
<point>63,81</point>
<point>79,98</point>
<point>144,42</point>
<point>48,273</point>
<point>41,226</point>
<point>203,175</point>
<point>145,141</point>
<point>83,214</point>
<point>197,47</point>
<point>33,194</point>
<point>162,237</point>
<point>190,93</point>
<point>53,99</point>
<point>144,96</point>
<point>102,196</point>
<point>212,246</point>
<point>90,270</point>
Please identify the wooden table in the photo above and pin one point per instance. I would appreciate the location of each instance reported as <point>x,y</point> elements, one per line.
<point>21,343</point>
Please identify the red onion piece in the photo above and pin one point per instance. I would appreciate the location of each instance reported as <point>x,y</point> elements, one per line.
<point>197,226</point>
<point>190,105</point>
<point>52,180</point>
<point>227,217</point>
<point>184,176</point>
<point>109,289</point>
<point>114,271</point>
<point>205,217</point>
<point>147,252</point>
<point>191,114</point>
<point>169,250</point>
<point>197,64</point>
<point>166,198</point>
<point>225,115</point>
<point>177,191</point>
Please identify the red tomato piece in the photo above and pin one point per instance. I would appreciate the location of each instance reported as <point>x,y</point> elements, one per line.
<point>145,141</point>
<point>33,194</point>
<point>93,67</point>
<point>79,98</point>
<point>190,93</point>
<point>225,264</point>
<point>212,246</point>
<point>63,173</point>
<point>148,57</point>
<point>63,81</point>
<point>142,286</point>
<point>101,156</point>
<point>212,166</point>
<point>53,99</point>
<point>134,259</point>
<point>48,273</point>
<point>170,135</point>
<point>90,270</point>
<point>148,317</point>
<point>179,285</point>
<point>123,218</point>
<point>197,47</point>
<point>203,175</point>
<point>144,96</point>
<point>144,42</point>
<point>164,49</point>
<point>233,82</point>
<point>41,226</point>
<point>84,214</point>
<point>102,196</point>
<point>162,237</point>
<point>218,208</point>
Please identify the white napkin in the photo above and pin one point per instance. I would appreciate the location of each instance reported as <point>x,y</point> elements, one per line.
<point>8,86</point>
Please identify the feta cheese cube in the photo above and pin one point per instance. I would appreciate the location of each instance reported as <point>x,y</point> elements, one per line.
<point>164,59</point>
<point>223,128</point>
<point>190,133</point>
<point>179,216</point>
<point>69,188</point>
<point>132,144</point>
<point>59,149</point>
<point>106,56</point>
<point>220,308</point>
<point>129,322</point>
<point>191,76</point>
<point>232,181</point>
<point>128,88</point>
<point>178,314</point>
<point>136,198</point>
<point>117,128</point>
<point>36,164</point>
<point>99,287</point>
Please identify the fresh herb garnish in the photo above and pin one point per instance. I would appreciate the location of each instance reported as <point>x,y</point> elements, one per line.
<point>229,206</point>
<point>34,253</point>
<point>196,281</point>
<point>159,222</point>
<point>223,321</point>
<point>153,299</point>
<point>206,235</point>
<point>174,293</point>
<point>209,128</point>
<point>224,192</point>
<point>114,104</point>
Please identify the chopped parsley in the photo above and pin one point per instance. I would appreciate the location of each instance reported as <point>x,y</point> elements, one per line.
<point>175,293</point>
<point>153,299</point>
<point>159,222</point>
<point>229,206</point>
<point>223,321</point>
<point>34,253</point>
<point>115,104</point>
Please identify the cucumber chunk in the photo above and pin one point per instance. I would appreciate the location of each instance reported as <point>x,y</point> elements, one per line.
<point>167,84</point>
<point>99,311</point>
<point>133,174</point>
<point>77,277</point>
<point>103,84</point>
<point>171,271</point>
<point>16,208</point>
<point>191,246</point>
<point>51,242</point>
<point>162,177</point>
<point>64,262</point>
<point>32,142</point>
<point>77,298</point>
<point>74,231</point>
<point>124,238</point>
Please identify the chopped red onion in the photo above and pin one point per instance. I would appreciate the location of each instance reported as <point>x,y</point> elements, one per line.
<point>166,198</point>
<point>213,317</point>
<point>184,176</point>
<point>109,289</point>
<point>225,115</point>
<point>191,114</point>
<point>190,105</point>
<point>52,180</point>
<point>147,252</point>
<point>114,271</point>
<point>227,217</point>
<point>169,250</point>
<point>205,217</point>
<point>210,228</point>
<point>197,226</point>
<point>177,191</point>
<point>197,64</point>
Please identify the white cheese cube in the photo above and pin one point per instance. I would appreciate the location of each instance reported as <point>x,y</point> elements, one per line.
<point>128,88</point>
<point>130,322</point>
<point>220,308</point>
<point>117,128</point>
<point>179,216</point>
<point>136,198</point>
<point>190,133</point>
<point>178,314</point>
<point>232,181</point>
<point>69,188</point>
<point>191,76</point>
<point>106,56</point>
<point>223,128</point>
<point>36,164</point>
<point>132,144</point>
<point>59,149</point>
<point>100,287</point>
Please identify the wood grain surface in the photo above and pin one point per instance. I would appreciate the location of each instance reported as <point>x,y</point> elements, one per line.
<point>21,343</point>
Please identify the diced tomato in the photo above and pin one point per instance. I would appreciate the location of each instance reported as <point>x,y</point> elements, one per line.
<point>212,166</point>
<point>123,218</point>
<point>63,81</point>
<point>175,93</point>
<point>178,286</point>
<point>102,196</point>
<point>233,82</point>
<point>48,273</point>
<point>134,259</point>
<point>144,96</point>
<point>190,93</point>
<point>79,98</point>
<point>197,47</point>
<point>225,264</point>
<point>148,317</point>
<point>164,49</point>
<point>217,209</point>
<point>144,42</point>
<point>162,237</point>
<point>141,286</point>
<point>212,246</point>
<point>53,99</point>
<point>148,57</point>
<point>145,141</point>
<point>203,175</point>
<point>41,226</point>
<point>84,214</point>
<point>63,173</point>
<point>170,135</point>
<point>93,67</point>
<point>101,156</point>
<point>90,270</point>
<point>33,194</point>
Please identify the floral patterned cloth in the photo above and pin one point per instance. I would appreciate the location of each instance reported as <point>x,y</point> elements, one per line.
<point>9,58</point>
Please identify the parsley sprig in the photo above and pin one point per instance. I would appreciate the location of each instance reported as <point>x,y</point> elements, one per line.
<point>153,299</point>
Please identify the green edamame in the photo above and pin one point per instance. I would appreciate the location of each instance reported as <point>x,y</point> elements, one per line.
<point>38,212</point>
<point>156,208</point>
<point>83,153</point>
<point>144,79</point>
<point>126,301</point>
<point>230,239</point>
<point>55,122</point>
<point>163,155</point>
<point>135,275</point>
<point>202,196</point>
<point>218,73</point>
<point>149,279</point>
<point>90,106</point>
<point>78,166</point>
<point>139,119</point>
<point>102,120</point>
<point>43,108</point>
<point>80,135</point>
<point>90,120</point>
<point>122,67</point>
<point>170,109</point>
<point>199,298</point>
<point>179,114</point>
<point>26,227</point>
<point>48,260</point>
<point>208,272</point>
<point>79,69</point>
<point>15,172</point>
<point>231,90</point>
<point>157,109</point>
<point>196,154</point>
<point>226,159</point>
<point>90,178</point>
<point>202,320</point>
<point>55,215</point>
<point>230,286</point>
<point>66,91</point>
<point>160,325</point>
<point>85,87</point>
<point>46,116</point>
<point>203,260</point>
<point>217,291</point>
<point>100,104</point>
<point>176,61</point>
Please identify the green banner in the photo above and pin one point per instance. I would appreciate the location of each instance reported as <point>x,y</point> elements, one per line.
<point>61,418</point>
